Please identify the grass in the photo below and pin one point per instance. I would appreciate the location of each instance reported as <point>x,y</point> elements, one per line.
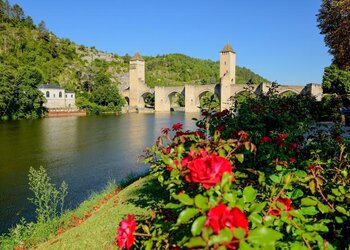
<point>97,229</point>
<point>94,223</point>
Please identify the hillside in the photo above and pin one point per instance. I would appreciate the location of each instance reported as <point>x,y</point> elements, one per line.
<point>34,54</point>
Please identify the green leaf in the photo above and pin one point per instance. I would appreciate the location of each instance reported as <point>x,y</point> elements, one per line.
<point>264,235</point>
<point>308,210</point>
<point>239,233</point>
<point>323,208</point>
<point>255,218</point>
<point>297,193</point>
<point>225,235</point>
<point>341,210</point>
<point>258,207</point>
<point>186,215</point>
<point>312,186</point>
<point>196,242</point>
<point>336,192</point>
<point>275,178</point>
<point>317,227</point>
<point>197,225</point>
<point>244,246</point>
<point>249,194</point>
<point>296,213</point>
<point>300,174</point>
<point>309,201</point>
<point>225,179</point>
<point>201,202</point>
<point>240,157</point>
<point>184,199</point>
<point>173,205</point>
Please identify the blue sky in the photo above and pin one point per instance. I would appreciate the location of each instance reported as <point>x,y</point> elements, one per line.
<point>277,39</point>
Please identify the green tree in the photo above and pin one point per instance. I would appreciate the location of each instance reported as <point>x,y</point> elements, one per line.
<point>106,95</point>
<point>334,23</point>
<point>7,91</point>
<point>337,81</point>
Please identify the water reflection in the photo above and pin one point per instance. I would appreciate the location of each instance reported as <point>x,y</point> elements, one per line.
<point>86,152</point>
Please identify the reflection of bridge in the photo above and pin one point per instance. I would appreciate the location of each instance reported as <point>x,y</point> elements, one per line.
<point>226,90</point>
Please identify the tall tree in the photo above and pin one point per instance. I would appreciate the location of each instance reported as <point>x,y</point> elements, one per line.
<point>334,23</point>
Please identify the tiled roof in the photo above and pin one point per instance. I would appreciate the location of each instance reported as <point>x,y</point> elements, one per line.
<point>227,48</point>
<point>69,92</point>
<point>50,86</point>
<point>137,57</point>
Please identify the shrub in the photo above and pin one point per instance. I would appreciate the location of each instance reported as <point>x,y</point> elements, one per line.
<point>272,186</point>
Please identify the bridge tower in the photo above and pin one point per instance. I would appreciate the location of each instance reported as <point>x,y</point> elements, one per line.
<point>136,78</point>
<point>227,75</point>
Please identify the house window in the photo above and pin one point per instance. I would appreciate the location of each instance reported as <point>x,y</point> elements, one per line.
<point>60,95</point>
<point>66,96</point>
<point>47,94</point>
<point>71,96</point>
<point>54,95</point>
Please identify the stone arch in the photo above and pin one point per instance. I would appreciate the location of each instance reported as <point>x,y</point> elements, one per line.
<point>142,102</point>
<point>127,100</point>
<point>288,92</point>
<point>205,92</point>
<point>173,99</point>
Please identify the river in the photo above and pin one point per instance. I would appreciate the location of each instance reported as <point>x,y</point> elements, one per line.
<point>86,152</point>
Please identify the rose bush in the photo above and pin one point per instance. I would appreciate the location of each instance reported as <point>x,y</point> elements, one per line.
<point>283,185</point>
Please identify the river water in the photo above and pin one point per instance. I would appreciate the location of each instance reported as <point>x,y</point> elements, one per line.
<point>86,152</point>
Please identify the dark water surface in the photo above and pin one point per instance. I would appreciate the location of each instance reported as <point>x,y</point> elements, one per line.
<point>86,152</point>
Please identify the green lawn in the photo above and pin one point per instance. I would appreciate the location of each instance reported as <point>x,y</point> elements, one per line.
<point>99,230</point>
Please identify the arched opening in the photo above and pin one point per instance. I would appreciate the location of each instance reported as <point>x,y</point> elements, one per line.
<point>288,93</point>
<point>127,101</point>
<point>242,97</point>
<point>147,100</point>
<point>209,101</point>
<point>47,93</point>
<point>60,94</point>
<point>177,101</point>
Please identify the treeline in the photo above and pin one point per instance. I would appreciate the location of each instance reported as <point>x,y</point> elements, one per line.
<point>95,76</point>
<point>178,69</point>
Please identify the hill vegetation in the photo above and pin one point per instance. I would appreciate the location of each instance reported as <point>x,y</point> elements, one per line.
<point>96,76</point>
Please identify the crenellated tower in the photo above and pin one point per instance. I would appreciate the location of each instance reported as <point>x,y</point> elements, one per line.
<point>227,75</point>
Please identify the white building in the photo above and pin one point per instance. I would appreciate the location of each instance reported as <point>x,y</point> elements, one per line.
<point>57,97</point>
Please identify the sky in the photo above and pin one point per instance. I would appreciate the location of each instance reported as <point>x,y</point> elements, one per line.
<point>277,39</point>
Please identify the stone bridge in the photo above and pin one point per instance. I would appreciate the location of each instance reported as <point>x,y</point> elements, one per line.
<point>226,90</point>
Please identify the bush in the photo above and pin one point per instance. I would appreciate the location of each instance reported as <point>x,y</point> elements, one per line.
<point>275,186</point>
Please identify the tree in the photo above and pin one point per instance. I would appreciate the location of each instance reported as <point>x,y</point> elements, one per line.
<point>336,81</point>
<point>106,95</point>
<point>17,12</point>
<point>334,22</point>
<point>7,91</point>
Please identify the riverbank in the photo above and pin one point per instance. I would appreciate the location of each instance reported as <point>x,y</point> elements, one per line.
<point>94,223</point>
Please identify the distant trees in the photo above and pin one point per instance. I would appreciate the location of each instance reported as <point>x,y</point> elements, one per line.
<point>334,23</point>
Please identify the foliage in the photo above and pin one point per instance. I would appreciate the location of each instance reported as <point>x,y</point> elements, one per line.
<point>336,81</point>
<point>48,200</point>
<point>49,203</point>
<point>178,69</point>
<point>334,23</point>
<point>209,101</point>
<point>19,96</point>
<point>276,186</point>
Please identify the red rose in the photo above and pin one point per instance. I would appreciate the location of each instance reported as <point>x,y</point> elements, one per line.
<point>286,202</point>
<point>266,139</point>
<point>126,232</point>
<point>292,159</point>
<point>207,169</point>
<point>292,146</point>
<point>177,126</point>
<point>283,136</point>
<point>199,133</point>
<point>221,216</point>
